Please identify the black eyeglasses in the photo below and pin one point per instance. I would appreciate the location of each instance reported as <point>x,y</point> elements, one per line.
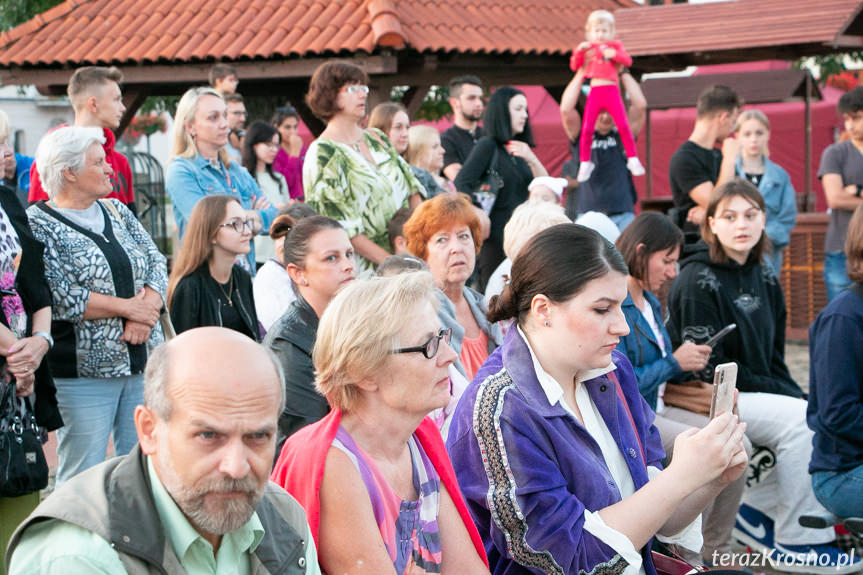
<point>238,225</point>
<point>429,348</point>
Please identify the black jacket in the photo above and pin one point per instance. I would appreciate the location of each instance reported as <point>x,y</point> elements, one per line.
<point>292,338</point>
<point>195,302</point>
<point>707,296</point>
<point>514,171</point>
<point>31,285</point>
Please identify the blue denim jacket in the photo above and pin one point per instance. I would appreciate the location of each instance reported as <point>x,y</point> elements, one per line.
<point>643,351</point>
<point>780,200</point>
<point>190,179</point>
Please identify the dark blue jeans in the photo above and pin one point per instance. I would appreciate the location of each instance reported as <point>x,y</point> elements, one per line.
<point>835,275</point>
<point>841,492</point>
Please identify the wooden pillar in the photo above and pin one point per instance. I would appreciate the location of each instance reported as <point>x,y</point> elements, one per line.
<point>648,153</point>
<point>807,189</point>
<point>413,99</point>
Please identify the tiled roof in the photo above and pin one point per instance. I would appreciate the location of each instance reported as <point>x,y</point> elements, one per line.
<point>171,31</point>
<point>734,25</point>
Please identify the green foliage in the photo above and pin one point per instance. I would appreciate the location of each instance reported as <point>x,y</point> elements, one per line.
<point>435,104</point>
<point>14,12</point>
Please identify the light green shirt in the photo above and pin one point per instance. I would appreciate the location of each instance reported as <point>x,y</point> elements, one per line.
<point>57,547</point>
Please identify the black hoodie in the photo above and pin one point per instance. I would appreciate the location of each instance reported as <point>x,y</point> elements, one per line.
<point>707,296</point>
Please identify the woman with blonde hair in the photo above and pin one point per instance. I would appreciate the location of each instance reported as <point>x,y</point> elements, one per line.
<point>373,476</point>
<point>206,288</point>
<point>425,155</point>
<point>200,165</point>
<point>754,165</point>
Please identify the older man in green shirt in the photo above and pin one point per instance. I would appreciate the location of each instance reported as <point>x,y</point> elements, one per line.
<point>193,497</point>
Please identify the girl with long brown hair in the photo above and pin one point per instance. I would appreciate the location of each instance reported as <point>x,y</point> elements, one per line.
<point>206,287</point>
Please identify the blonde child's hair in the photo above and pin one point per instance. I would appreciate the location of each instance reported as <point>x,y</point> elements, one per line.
<point>599,16</point>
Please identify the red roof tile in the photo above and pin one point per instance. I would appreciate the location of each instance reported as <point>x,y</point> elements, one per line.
<point>172,31</point>
<point>732,25</point>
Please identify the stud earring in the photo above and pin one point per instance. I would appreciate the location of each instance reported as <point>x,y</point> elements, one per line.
<point>547,323</point>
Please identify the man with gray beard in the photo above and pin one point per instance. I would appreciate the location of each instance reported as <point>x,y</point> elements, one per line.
<point>193,496</point>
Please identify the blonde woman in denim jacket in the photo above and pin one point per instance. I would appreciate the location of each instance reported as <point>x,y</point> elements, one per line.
<point>753,131</point>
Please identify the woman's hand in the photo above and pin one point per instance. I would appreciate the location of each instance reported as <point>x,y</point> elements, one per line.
<point>138,309</point>
<point>25,355</point>
<point>135,333</point>
<point>295,145</point>
<point>730,147</point>
<point>24,384</point>
<point>692,357</point>
<point>255,216</point>
<point>520,149</point>
<point>713,453</point>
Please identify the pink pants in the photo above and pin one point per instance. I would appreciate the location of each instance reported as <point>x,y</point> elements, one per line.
<point>605,98</point>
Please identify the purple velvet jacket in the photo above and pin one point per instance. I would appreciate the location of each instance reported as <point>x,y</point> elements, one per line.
<point>528,470</point>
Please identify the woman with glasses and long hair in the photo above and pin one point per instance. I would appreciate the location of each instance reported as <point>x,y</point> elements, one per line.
<point>352,175</point>
<point>205,287</point>
<point>373,475</point>
<point>292,150</point>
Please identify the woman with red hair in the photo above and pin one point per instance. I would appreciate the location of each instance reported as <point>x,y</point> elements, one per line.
<point>445,232</point>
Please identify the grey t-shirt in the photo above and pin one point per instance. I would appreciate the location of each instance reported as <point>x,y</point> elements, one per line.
<point>847,161</point>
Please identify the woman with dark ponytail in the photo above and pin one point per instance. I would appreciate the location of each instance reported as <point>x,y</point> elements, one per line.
<point>320,260</point>
<point>553,446</point>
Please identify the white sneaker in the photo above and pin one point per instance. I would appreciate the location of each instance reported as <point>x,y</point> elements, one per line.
<point>634,166</point>
<point>585,170</point>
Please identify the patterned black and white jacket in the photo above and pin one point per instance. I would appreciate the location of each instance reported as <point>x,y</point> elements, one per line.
<point>118,262</point>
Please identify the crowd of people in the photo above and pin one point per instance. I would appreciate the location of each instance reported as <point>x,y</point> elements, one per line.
<point>402,351</point>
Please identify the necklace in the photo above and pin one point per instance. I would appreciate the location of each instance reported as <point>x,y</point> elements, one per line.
<point>230,290</point>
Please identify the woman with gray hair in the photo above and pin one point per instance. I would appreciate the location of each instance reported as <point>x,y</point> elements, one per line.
<point>200,166</point>
<point>373,475</point>
<point>108,282</point>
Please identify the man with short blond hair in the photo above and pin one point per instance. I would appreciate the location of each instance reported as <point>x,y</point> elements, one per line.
<point>94,92</point>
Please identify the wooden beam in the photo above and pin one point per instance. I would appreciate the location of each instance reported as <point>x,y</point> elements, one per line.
<point>807,154</point>
<point>413,99</point>
<point>133,99</point>
<point>197,73</point>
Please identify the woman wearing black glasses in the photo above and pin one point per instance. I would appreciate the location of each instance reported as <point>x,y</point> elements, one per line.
<point>373,475</point>
<point>206,287</point>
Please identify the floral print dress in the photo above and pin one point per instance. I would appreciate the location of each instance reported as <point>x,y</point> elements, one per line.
<point>340,183</point>
<point>10,257</point>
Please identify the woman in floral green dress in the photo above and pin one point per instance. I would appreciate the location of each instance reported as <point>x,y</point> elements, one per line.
<point>353,175</point>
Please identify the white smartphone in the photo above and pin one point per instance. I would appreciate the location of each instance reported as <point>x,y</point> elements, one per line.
<point>724,382</point>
